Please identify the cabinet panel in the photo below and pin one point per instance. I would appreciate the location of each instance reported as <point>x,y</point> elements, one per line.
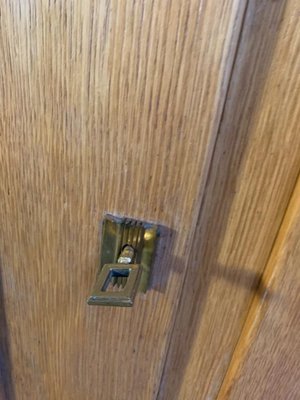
<point>253,172</point>
<point>105,106</point>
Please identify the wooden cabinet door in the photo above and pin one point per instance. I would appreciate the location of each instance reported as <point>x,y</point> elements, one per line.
<point>252,176</point>
<point>105,106</point>
<point>168,111</point>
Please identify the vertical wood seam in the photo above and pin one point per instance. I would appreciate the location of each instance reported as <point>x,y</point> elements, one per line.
<point>210,161</point>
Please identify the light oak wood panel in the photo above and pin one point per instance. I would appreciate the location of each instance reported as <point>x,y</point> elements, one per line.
<point>266,362</point>
<point>105,106</point>
<point>253,173</point>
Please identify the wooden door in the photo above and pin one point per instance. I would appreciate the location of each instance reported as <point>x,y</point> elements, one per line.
<point>169,111</point>
<point>252,177</point>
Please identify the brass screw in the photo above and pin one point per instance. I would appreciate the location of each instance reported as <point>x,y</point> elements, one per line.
<point>127,255</point>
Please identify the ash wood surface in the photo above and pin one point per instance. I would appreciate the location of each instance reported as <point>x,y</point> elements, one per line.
<point>266,362</point>
<point>253,173</point>
<point>104,106</point>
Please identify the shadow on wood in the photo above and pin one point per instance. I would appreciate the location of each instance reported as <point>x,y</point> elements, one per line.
<point>253,59</point>
<point>6,383</point>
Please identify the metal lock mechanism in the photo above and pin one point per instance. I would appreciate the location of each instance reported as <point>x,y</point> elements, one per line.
<point>125,264</point>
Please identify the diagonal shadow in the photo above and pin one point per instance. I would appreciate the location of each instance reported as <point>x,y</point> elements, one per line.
<point>257,42</point>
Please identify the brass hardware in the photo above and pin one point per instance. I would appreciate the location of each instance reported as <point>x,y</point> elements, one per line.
<point>125,263</point>
<point>126,255</point>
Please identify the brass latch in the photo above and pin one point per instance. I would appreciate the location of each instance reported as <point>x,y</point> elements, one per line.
<point>126,254</point>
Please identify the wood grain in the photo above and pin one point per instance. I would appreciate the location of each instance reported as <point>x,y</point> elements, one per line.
<point>266,362</point>
<point>253,172</point>
<point>104,106</point>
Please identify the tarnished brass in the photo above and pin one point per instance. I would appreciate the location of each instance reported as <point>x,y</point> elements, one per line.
<point>125,264</point>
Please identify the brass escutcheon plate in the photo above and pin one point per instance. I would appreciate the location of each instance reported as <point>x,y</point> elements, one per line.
<point>117,283</point>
